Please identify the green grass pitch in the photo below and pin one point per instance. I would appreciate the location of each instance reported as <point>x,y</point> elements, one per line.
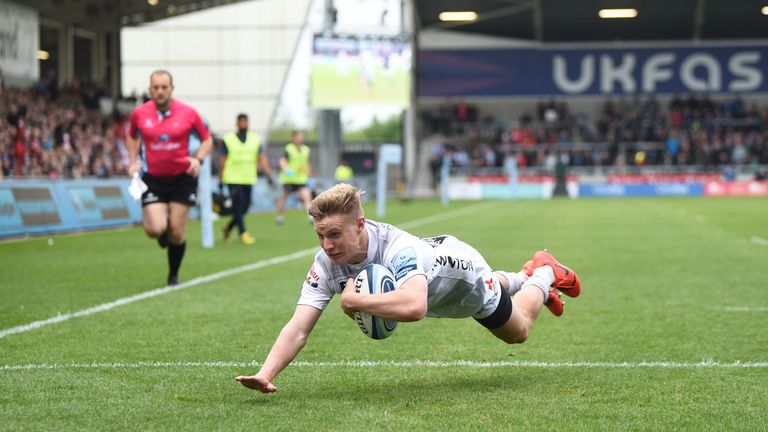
<point>332,90</point>
<point>670,332</point>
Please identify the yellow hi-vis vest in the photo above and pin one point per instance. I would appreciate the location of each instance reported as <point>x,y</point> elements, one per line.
<point>298,162</point>
<point>240,166</point>
<point>343,173</point>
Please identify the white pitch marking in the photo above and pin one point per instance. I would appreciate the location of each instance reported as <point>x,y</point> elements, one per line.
<point>155,292</point>
<point>389,364</point>
<point>746,309</point>
<point>760,241</point>
<point>212,277</point>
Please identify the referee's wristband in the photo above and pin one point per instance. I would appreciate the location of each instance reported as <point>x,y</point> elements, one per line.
<point>199,160</point>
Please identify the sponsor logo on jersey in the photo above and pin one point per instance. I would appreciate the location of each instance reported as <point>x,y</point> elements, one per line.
<point>164,138</point>
<point>434,241</point>
<point>404,262</point>
<point>164,147</point>
<point>313,279</point>
<point>453,262</point>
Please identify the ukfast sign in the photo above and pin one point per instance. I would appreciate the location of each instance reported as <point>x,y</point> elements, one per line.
<point>594,71</point>
<point>647,71</point>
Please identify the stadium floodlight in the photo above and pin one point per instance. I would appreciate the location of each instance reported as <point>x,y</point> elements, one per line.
<point>617,13</point>
<point>764,10</point>
<point>458,16</point>
<point>43,55</point>
<point>153,2</point>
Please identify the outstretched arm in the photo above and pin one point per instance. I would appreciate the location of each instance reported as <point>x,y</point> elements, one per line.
<point>288,344</point>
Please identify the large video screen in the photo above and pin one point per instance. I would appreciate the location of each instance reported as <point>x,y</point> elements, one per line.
<point>349,71</point>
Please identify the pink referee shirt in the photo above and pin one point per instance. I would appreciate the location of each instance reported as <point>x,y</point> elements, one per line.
<point>165,137</point>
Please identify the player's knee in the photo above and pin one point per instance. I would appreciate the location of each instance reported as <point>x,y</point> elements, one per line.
<point>520,337</point>
<point>177,235</point>
<point>154,231</point>
<point>516,337</point>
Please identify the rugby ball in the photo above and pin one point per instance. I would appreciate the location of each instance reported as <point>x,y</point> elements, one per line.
<point>374,279</point>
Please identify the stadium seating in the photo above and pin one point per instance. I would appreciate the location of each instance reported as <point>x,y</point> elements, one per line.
<point>687,131</point>
<point>52,133</point>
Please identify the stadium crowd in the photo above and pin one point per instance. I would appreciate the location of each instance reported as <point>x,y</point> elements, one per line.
<point>55,132</point>
<point>692,130</point>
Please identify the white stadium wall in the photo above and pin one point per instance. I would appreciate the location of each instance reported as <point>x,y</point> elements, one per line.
<point>224,61</point>
<point>19,42</point>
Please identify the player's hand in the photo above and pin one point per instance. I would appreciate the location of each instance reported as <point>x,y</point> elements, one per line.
<point>133,169</point>
<point>349,291</point>
<point>256,382</point>
<point>194,166</point>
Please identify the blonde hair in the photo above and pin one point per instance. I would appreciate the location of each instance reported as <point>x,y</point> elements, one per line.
<point>340,199</point>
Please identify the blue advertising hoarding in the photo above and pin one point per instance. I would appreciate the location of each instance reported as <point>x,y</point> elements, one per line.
<point>29,207</point>
<point>593,71</point>
<point>641,190</point>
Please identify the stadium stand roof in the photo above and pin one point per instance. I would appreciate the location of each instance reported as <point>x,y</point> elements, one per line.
<point>559,21</point>
<point>100,15</point>
<point>535,20</point>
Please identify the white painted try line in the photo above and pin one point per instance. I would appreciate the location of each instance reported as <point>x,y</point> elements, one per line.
<point>393,364</point>
<point>212,277</point>
<point>760,241</point>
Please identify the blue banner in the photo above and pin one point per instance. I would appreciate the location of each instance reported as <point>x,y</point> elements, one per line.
<point>641,189</point>
<point>593,71</point>
<point>9,212</point>
<point>29,207</point>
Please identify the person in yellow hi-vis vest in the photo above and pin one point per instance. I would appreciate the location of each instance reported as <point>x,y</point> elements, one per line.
<point>295,173</point>
<point>344,173</point>
<point>241,152</point>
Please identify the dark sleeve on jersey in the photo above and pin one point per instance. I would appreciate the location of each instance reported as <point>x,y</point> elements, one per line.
<point>223,150</point>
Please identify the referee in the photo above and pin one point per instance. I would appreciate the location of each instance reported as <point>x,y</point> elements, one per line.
<point>160,129</point>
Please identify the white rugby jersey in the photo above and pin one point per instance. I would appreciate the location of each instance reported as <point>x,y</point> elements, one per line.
<point>457,276</point>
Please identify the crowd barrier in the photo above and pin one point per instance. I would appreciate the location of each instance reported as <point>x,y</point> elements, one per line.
<point>33,207</point>
<point>39,206</point>
<point>543,187</point>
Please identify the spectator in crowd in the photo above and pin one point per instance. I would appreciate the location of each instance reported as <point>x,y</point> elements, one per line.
<point>47,132</point>
<point>693,130</point>
<point>65,136</point>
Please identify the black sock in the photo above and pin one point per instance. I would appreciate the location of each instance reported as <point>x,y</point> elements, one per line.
<point>175,255</point>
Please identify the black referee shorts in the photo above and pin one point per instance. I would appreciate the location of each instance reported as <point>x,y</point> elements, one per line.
<point>181,189</point>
